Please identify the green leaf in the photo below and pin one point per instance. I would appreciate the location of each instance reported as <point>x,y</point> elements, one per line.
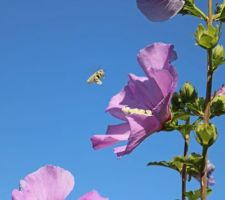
<point>220,12</point>
<point>206,134</point>
<point>176,163</point>
<point>193,164</point>
<point>207,38</point>
<point>191,9</point>
<point>195,195</point>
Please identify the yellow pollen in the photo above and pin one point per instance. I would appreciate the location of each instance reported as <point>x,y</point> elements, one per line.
<point>129,111</point>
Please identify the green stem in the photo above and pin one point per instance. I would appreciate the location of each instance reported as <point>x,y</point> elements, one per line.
<point>201,13</point>
<point>184,168</point>
<point>184,171</point>
<point>207,107</point>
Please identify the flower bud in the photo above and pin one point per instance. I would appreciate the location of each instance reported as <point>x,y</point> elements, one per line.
<point>206,134</point>
<point>188,93</point>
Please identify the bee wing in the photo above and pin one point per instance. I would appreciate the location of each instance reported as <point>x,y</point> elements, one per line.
<point>98,81</point>
<point>90,79</point>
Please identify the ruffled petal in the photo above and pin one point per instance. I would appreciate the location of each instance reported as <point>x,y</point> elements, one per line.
<point>162,111</point>
<point>93,195</point>
<point>155,61</point>
<point>47,183</point>
<point>114,134</point>
<point>141,127</point>
<point>157,56</point>
<point>160,10</point>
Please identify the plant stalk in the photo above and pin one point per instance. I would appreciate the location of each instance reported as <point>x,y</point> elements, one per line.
<point>184,168</point>
<point>184,171</point>
<point>207,106</point>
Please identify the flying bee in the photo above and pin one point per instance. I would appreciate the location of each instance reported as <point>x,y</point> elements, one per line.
<point>96,77</point>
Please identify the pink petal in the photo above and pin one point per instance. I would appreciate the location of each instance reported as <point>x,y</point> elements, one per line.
<point>156,56</point>
<point>47,183</point>
<point>160,10</point>
<point>93,195</point>
<point>141,92</point>
<point>140,129</point>
<point>115,133</point>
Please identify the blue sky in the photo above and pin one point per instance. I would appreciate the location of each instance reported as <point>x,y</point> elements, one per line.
<point>48,112</point>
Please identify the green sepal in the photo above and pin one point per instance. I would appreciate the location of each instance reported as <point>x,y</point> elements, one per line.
<point>173,124</point>
<point>177,104</point>
<point>191,9</point>
<point>220,12</point>
<point>185,130</point>
<point>195,195</point>
<point>206,134</point>
<point>217,106</point>
<point>207,38</point>
<point>197,107</point>
<point>218,56</point>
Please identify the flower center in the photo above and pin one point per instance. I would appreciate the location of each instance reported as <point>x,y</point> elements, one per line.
<point>129,111</point>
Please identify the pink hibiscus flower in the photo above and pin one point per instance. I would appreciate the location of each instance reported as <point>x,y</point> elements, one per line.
<point>152,93</point>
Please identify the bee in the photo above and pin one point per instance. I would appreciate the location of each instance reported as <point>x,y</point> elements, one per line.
<point>96,77</point>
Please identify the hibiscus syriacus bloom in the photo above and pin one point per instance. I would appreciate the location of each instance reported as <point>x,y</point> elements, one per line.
<point>210,177</point>
<point>152,93</point>
<point>210,170</point>
<point>160,10</point>
<point>49,183</point>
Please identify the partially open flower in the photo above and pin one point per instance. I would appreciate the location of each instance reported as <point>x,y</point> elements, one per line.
<point>210,177</point>
<point>210,170</point>
<point>143,104</point>
<point>160,10</point>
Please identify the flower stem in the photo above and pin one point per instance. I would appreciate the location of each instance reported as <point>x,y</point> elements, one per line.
<point>184,168</point>
<point>207,107</point>
<point>184,171</point>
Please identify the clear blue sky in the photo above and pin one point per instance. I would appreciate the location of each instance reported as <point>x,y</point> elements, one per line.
<point>48,112</point>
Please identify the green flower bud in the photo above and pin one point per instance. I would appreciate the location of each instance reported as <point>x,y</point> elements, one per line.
<point>206,134</point>
<point>207,38</point>
<point>188,93</point>
<point>218,56</point>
